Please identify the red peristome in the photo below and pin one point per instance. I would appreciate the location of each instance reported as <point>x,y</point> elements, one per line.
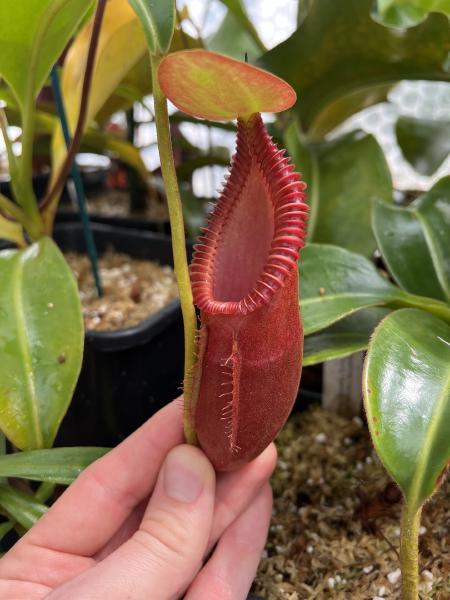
<point>245,283</point>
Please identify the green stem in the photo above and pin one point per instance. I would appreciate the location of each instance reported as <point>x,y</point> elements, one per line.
<point>12,161</point>
<point>26,198</point>
<point>409,552</point>
<point>178,245</point>
<point>11,208</point>
<point>17,213</point>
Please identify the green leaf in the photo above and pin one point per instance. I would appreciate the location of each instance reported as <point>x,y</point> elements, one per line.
<point>158,20</point>
<point>415,241</point>
<point>237,9</point>
<point>425,143</point>
<point>407,13</point>
<point>33,34</point>
<point>340,54</point>
<point>343,338</point>
<point>41,343</point>
<point>57,465</point>
<point>343,177</point>
<point>335,283</point>
<point>406,387</point>
<point>20,506</point>
<point>5,528</point>
<point>233,40</point>
<point>11,231</point>
<point>94,140</point>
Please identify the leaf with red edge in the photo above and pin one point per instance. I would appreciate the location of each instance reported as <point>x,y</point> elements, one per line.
<point>212,86</point>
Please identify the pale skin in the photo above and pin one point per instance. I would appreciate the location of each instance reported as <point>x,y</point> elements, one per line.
<point>141,522</point>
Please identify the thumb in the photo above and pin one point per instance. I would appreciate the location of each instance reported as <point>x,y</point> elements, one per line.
<point>162,558</point>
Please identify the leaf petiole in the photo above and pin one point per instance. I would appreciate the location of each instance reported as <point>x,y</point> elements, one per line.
<point>409,552</point>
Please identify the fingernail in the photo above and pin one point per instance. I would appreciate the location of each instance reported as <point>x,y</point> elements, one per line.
<point>183,476</point>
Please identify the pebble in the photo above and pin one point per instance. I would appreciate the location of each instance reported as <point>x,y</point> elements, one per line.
<point>382,591</point>
<point>310,549</point>
<point>321,438</point>
<point>282,465</point>
<point>331,583</point>
<point>347,441</point>
<point>422,530</point>
<point>369,460</point>
<point>357,421</point>
<point>394,576</point>
<point>428,575</point>
<point>368,569</point>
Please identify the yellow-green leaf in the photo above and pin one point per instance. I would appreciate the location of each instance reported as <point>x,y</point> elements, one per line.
<point>121,45</point>
<point>11,231</point>
<point>33,33</point>
<point>41,343</point>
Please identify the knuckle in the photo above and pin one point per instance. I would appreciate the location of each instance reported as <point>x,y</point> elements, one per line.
<point>167,534</point>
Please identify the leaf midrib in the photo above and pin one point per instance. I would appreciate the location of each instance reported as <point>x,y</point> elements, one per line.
<point>440,272</point>
<point>418,477</point>
<point>321,299</point>
<point>18,308</point>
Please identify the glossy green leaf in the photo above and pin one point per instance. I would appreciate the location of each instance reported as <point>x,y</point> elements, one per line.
<point>213,86</point>
<point>335,283</point>
<point>407,13</point>
<point>406,387</point>
<point>20,506</point>
<point>33,34</point>
<point>343,177</point>
<point>57,465</point>
<point>425,143</point>
<point>158,20</point>
<point>415,241</point>
<point>339,53</point>
<point>41,343</point>
<point>343,338</point>
<point>237,9</point>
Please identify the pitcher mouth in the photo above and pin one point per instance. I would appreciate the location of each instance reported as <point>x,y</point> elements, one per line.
<point>252,241</point>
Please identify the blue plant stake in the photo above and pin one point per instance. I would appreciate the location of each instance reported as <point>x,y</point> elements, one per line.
<point>79,189</point>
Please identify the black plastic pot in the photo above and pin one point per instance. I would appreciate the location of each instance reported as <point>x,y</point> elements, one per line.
<point>127,375</point>
<point>65,215</point>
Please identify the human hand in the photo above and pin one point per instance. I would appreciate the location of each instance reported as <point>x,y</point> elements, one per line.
<point>139,523</point>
